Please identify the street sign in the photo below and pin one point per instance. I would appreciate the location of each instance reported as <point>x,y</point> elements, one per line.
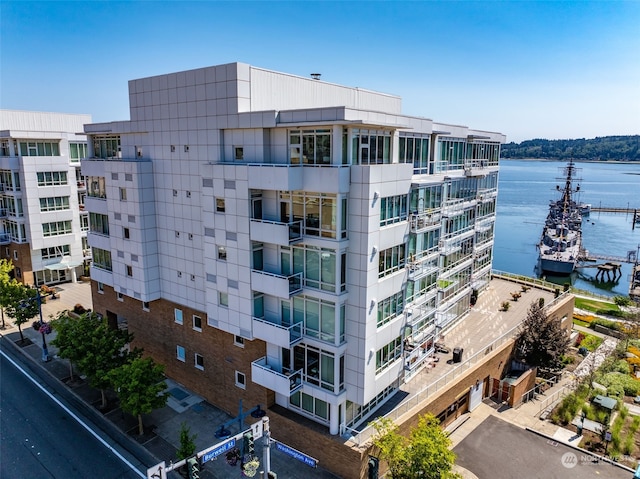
<point>159,471</point>
<point>256,429</point>
<point>308,460</point>
<point>607,436</point>
<point>221,449</point>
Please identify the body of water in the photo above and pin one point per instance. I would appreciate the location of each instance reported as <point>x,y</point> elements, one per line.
<point>525,189</point>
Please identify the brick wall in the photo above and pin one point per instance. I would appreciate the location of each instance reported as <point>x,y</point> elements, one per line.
<point>23,262</point>
<point>158,334</point>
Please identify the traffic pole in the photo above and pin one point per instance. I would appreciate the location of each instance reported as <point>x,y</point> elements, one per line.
<point>266,449</point>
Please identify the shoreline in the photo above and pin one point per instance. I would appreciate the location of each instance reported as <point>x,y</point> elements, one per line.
<point>550,160</point>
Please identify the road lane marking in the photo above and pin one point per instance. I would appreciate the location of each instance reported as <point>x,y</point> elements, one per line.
<point>78,420</point>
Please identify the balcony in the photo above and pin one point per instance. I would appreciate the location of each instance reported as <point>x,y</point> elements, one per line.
<point>420,268</point>
<point>5,238</point>
<point>268,176</point>
<point>271,377</point>
<point>276,232</point>
<point>479,167</point>
<point>274,333</point>
<point>419,222</point>
<point>275,284</point>
<point>3,212</point>
<point>81,185</point>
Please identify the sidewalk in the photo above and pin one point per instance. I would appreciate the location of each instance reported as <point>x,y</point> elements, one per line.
<point>164,424</point>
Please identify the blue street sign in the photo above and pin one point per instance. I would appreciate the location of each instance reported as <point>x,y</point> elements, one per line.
<point>221,449</point>
<point>308,460</point>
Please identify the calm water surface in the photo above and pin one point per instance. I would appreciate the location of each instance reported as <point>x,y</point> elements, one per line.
<point>525,189</point>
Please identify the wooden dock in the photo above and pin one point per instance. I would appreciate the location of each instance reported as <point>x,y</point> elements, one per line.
<point>626,211</point>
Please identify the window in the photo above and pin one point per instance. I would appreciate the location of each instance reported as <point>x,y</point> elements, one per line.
<point>180,354</point>
<point>186,148</point>
<point>238,153</point>
<point>391,260</point>
<point>55,203</point>
<point>96,187</point>
<point>313,406</point>
<point>199,361</point>
<point>317,365</point>
<point>106,147</point>
<point>415,149</point>
<point>188,193</point>
<point>393,209</point>
<point>119,296</point>
<point>390,307</point>
<point>175,192</point>
<point>197,323</point>
<point>56,228</point>
<point>224,299</point>
<point>101,259</point>
<point>18,272</point>
<point>318,212</point>
<point>177,315</point>
<point>99,224</point>
<point>310,147</point>
<point>129,270</point>
<point>51,178</point>
<point>15,254</point>
<point>100,287</point>
<point>222,253</point>
<point>317,265</point>
<point>238,341</point>
<point>126,233</point>
<point>55,252</point>
<point>173,148</point>
<point>241,380</point>
<point>317,316</point>
<point>123,194</point>
<point>145,305</point>
<point>77,151</point>
<point>220,207</point>
<point>371,147</point>
<point>388,354</point>
<point>40,148</point>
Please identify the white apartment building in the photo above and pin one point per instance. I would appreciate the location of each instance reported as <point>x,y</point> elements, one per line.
<point>43,225</point>
<point>284,240</point>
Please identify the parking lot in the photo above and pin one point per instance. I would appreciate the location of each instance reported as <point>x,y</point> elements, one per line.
<point>499,450</point>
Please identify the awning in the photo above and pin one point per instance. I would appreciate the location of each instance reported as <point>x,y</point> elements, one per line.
<point>63,265</point>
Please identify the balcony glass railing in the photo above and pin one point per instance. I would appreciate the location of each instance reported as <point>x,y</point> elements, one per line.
<point>276,377</point>
<point>420,221</point>
<point>293,331</point>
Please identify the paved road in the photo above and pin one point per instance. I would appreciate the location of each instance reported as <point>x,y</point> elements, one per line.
<point>39,439</point>
<point>499,450</point>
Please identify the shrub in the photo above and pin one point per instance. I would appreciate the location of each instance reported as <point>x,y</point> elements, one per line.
<point>579,338</point>
<point>591,342</point>
<point>541,302</point>
<point>622,300</point>
<point>606,323</point>
<point>79,309</point>
<point>505,305</point>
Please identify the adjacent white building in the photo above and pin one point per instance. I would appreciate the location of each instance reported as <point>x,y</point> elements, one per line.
<point>281,239</point>
<point>43,225</point>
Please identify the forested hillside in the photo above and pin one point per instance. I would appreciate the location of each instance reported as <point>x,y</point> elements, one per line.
<point>603,148</point>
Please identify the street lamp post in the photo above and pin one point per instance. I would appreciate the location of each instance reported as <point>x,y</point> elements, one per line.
<point>43,325</point>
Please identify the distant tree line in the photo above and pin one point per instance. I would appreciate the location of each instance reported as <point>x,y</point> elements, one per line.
<point>606,148</point>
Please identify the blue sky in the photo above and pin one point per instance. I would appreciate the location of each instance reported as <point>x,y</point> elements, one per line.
<point>527,69</point>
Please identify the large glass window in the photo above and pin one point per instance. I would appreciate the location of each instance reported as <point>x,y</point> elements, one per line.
<point>371,147</point>
<point>313,406</point>
<point>56,228</point>
<point>415,149</point>
<point>318,317</point>
<point>425,198</point>
<point>393,209</point>
<point>52,178</point>
<point>391,260</point>
<point>96,187</point>
<point>390,307</point>
<point>311,147</point>
<point>452,153</point>
<point>56,252</point>
<point>317,211</point>
<point>106,147</point>
<point>40,148</point>
<point>54,203</point>
<point>77,151</point>
<point>101,258</point>
<point>318,266</point>
<point>317,365</point>
<point>388,354</point>
<point>99,224</point>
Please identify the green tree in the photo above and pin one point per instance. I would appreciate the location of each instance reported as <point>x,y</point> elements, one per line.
<point>425,453</point>
<point>22,304</point>
<point>187,442</point>
<point>542,341</point>
<point>6,282</point>
<point>69,338</point>
<point>140,388</point>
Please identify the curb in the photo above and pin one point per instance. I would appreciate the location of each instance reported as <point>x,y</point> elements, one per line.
<point>583,451</point>
<point>142,455</point>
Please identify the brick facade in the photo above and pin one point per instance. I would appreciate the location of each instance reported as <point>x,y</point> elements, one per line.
<point>157,332</point>
<point>23,270</point>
